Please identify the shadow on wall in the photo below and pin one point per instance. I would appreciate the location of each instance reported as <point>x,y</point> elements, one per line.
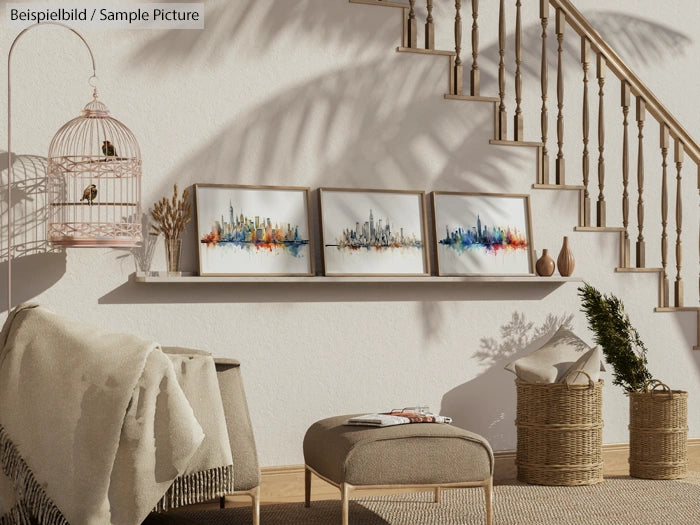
<point>273,140</point>
<point>486,405</point>
<point>36,266</point>
<point>253,25</point>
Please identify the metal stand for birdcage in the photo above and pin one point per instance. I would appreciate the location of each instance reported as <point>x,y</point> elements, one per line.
<point>85,160</point>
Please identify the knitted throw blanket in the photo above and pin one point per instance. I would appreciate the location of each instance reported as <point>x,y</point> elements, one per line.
<point>94,426</point>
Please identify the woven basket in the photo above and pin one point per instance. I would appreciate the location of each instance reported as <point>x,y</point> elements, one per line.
<point>659,433</point>
<point>560,433</point>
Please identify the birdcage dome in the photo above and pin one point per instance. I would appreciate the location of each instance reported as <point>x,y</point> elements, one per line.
<point>94,182</point>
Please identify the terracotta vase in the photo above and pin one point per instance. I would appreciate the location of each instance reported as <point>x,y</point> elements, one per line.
<point>565,261</point>
<point>545,264</point>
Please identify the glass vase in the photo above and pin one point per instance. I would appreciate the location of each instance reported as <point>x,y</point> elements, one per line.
<point>172,255</point>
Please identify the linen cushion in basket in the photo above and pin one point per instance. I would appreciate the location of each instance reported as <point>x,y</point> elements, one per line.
<point>552,361</point>
<point>590,362</point>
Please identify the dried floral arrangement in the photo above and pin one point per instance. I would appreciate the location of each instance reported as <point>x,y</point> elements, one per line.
<point>171,215</point>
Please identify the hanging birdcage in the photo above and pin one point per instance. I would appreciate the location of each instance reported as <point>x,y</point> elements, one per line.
<point>94,182</point>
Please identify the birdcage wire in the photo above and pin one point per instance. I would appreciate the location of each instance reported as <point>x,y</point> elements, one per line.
<point>94,149</point>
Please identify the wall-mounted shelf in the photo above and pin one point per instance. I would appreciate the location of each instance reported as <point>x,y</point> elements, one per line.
<point>144,278</point>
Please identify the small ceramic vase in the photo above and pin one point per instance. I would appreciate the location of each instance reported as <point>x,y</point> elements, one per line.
<point>565,261</point>
<point>545,264</point>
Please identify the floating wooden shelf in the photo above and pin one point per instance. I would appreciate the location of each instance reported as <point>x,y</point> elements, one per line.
<point>320,279</point>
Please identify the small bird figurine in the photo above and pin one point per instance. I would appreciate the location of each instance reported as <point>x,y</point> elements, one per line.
<point>89,194</point>
<point>108,149</point>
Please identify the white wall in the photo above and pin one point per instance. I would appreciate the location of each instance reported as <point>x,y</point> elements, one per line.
<point>311,93</point>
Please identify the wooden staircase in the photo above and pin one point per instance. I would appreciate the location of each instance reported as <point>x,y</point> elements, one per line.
<point>599,59</point>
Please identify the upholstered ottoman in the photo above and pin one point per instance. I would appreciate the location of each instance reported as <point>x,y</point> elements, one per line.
<point>417,455</point>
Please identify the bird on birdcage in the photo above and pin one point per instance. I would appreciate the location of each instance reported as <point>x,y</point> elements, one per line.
<point>89,194</point>
<point>108,149</point>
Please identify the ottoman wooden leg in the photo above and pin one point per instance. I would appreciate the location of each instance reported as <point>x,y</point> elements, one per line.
<point>307,486</point>
<point>489,504</point>
<point>437,495</point>
<point>344,493</point>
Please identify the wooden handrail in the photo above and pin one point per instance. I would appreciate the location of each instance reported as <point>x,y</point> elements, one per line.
<point>615,64</point>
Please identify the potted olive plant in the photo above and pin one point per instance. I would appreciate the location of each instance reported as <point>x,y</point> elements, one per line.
<point>658,415</point>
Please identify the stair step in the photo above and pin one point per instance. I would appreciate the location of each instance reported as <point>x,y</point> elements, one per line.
<point>516,143</point>
<point>380,3</point>
<point>639,270</point>
<point>598,229</point>
<point>557,187</point>
<point>449,96</point>
<point>677,309</point>
<point>441,52</point>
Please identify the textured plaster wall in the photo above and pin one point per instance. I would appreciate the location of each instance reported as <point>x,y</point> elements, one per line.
<point>310,92</point>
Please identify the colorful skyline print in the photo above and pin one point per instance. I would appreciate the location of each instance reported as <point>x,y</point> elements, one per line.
<point>255,233</point>
<point>246,230</point>
<point>373,232</point>
<point>481,234</point>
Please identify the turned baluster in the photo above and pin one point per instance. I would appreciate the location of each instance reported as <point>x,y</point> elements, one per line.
<point>641,245</point>
<point>625,174</point>
<point>412,25</point>
<point>678,285</point>
<point>518,117</point>
<point>664,139</point>
<point>502,115</point>
<point>600,204</point>
<point>585,50</point>
<point>430,28</point>
<point>458,74</point>
<point>475,73</point>
<point>544,17</point>
<point>559,164</point>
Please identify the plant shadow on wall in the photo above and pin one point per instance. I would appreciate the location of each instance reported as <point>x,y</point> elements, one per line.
<point>337,118</point>
<point>254,25</point>
<point>486,405</point>
<point>35,265</point>
<point>367,125</point>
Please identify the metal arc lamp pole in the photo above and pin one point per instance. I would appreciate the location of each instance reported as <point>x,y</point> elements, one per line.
<point>9,145</point>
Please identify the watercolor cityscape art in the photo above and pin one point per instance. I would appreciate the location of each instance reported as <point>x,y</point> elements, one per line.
<point>373,232</point>
<point>479,234</point>
<point>251,230</point>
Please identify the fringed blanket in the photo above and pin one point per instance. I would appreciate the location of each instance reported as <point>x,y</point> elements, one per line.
<point>94,426</point>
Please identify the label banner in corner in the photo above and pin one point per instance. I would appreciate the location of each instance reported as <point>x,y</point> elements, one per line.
<point>111,15</point>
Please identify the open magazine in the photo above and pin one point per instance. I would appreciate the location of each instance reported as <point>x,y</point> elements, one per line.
<point>399,417</point>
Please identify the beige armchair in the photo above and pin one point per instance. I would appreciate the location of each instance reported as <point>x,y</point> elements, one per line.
<point>246,471</point>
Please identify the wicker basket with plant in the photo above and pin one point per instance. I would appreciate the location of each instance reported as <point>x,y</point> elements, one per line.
<point>658,415</point>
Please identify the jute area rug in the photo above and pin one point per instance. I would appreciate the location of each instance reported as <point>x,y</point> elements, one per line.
<point>616,501</point>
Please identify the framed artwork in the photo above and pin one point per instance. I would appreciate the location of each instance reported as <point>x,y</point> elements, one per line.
<point>253,230</point>
<point>373,232</point>
<point>483,234</point>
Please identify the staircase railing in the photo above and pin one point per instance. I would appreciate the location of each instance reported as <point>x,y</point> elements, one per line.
<point>673,137</point>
